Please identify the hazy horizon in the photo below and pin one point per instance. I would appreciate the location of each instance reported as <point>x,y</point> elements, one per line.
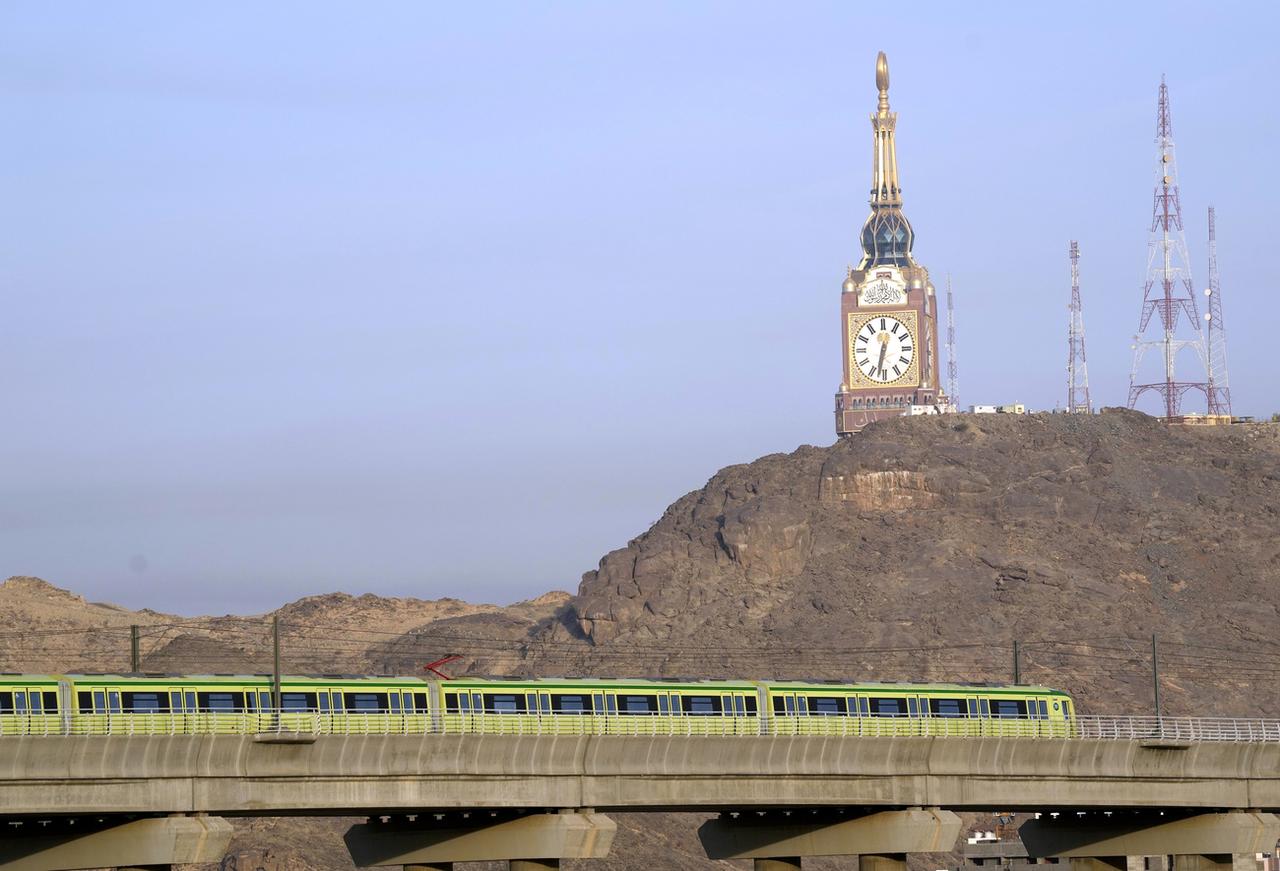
<point>450,301</point>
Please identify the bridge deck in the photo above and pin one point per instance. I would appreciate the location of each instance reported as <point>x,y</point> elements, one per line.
<point>326,774</point>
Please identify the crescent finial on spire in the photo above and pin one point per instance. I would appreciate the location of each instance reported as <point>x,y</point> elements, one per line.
<point>882,79</point>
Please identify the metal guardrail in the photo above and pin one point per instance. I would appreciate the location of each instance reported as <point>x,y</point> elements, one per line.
<point>1164,729</point>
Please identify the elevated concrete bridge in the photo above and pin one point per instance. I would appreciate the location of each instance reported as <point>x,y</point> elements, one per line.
<point>534,799</point>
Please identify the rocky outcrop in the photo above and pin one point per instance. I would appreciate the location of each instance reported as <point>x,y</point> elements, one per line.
<point>958,533</point>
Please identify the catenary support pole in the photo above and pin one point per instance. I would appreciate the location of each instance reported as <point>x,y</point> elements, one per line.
<point>1155,673</point>
<point>135,658</point>
<point>1017,664</point>
<point>275,669</point>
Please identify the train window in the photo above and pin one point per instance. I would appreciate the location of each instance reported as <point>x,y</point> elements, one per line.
<point>393,699</point>
<point>973,707</point>
<point>826,706</point>
<point>888,707</point>
<point>611,703</point>
<point>751,706</point>
<point>597,703</point>
<point>143,703</point>
<point>503,703</point>
<point>778,705</point>
<point>406,702</point>
<point>1009,709</point>
<point>946,707</point>
<point>700,705</point>
<point>664,705</point>
<point>531,702</point>
<point>297,701</point>
<point>985,707</point>
<point>20,702</point>
<point>322,702</point>
<point>367,703</point>
<point>1044,709</point>
<point>802,705</point>
<point>420,702</point>
<point>912,710</point>
<point>99,702</point>
<point>477,702</point>
<point>222,703</point>
<point>251,701</point>
<point>739,706</point>
<point>37,703</point>
<point>640,704</point>
<point>451,702</point>
<point>570,703</point>
<point>6,702</point>
<point>189,699</point>
<point>791,705</point>
<point>113,701</point>
<point>84,702</point>
<point>50,703</point>
<point>864,708</point>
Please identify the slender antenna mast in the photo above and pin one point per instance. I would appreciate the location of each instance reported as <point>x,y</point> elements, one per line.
<point>1168,288</point>
<point>1217,389</point>
<point>952,394</point>
<point>1077,368</point>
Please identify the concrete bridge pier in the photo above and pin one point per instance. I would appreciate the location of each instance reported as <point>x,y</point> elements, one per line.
<point>530,842</point>
<point>71,843</point>
<point>1118,840</point>
<point>779,840</point>
<point>778,863</point>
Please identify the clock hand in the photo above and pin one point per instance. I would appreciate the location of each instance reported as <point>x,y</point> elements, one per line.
<point>884,347</point>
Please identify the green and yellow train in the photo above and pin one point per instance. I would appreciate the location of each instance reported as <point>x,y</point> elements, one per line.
<point>106,704</point>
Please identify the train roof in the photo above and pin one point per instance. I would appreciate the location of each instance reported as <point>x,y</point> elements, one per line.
<point>11,678</point>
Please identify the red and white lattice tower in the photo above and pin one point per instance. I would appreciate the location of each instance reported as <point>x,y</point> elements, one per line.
<point>1077,368</point>
<point>952,380</point>
<point>1168,291</point>
<point>1215,338</point>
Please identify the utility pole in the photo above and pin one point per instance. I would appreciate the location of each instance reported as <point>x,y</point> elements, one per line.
<point>1215,345</point>
<point>135,658</point>
<point>275,671</point>
<point>1017,664</point>
<point>1155,674</point>
<point>1077,369</point>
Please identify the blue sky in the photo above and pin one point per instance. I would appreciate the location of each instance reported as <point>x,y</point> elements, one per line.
<point>429,299</point>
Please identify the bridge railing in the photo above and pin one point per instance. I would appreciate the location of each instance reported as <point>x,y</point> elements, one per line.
<point>1171,729</point>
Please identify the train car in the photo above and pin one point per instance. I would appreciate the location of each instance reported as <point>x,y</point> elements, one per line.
<point>600,707</point>
<point>196,704</point>
<point>31,705</point>
<point>917,709</point>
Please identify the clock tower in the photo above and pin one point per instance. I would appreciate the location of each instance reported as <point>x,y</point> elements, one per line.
<point>888,308</point>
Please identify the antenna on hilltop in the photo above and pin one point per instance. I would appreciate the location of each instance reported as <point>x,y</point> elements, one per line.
<point>1168,289</point>
<point>1215,363</point>
<point>1077,368</point>
<point>952,394</point>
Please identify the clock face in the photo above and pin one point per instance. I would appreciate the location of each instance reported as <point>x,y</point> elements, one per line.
<point>883,349</point>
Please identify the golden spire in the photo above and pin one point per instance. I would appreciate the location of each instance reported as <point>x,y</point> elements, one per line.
<point>884,174</point>
<point>887,236</point>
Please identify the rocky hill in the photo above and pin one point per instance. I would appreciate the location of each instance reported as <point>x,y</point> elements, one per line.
<point>924,547</point>
<point>920,549</point>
